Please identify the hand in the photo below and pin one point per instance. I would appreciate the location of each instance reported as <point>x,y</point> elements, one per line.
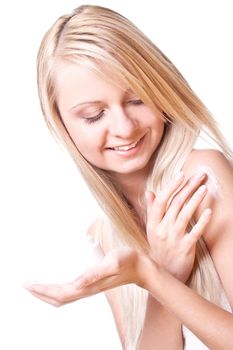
<point>168,216</point>
<point>119,267</point>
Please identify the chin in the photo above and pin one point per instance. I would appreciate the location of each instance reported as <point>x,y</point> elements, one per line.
<point>131,169</point>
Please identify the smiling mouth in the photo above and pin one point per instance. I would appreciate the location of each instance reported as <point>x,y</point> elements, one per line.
<point>126,148</point>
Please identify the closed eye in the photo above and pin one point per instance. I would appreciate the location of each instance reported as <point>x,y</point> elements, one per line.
<point>95,118</point>
<point>136,102</point>
<point>101,114</point>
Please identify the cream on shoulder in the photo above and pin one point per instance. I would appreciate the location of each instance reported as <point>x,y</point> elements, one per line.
<point>213,183</point>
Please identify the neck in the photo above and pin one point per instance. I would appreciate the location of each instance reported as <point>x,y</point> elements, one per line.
<point>133,186</point>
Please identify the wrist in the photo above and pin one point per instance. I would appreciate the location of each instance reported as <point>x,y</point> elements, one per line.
<point>179,273</point>
<point>148,271</point>
<point>153,277</point>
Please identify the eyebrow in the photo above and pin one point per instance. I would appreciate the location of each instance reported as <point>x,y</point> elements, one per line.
<point>128,91</point>
<point>85,103</point>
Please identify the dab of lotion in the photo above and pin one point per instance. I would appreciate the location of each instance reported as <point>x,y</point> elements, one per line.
<point>212,182</point>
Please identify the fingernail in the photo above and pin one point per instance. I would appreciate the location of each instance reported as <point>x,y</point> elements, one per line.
<point>207,212</point>
<point>199,175</point>
<point>202,189</point>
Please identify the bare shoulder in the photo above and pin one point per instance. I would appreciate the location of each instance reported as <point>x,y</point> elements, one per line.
<point>219,233</point>
<point>208,158</point>
<point>219,178</point>
<point>219,182</point>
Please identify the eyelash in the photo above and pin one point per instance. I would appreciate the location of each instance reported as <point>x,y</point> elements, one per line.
<point>99,116</point>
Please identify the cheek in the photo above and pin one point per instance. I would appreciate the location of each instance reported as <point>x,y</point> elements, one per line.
<point>83,143</point>
<point>87,141</point>
<point>86,148</point>
<point>78,135</point>
<point>158,125</point>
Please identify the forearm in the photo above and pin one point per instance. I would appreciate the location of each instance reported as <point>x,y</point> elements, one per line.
<point>211,324</point>
<point>161,329</point>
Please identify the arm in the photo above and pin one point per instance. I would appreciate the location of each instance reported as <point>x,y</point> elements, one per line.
<point>210,323</point>
<point>219,234</point>
<point>168,249</point>
<point>122,266</point>
<point>161,328</point>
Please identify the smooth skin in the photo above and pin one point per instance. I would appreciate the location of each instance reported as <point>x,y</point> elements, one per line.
<point>129,259</point>
<point>211,324</point>
<point>166,269</point>
<point>100,115</point>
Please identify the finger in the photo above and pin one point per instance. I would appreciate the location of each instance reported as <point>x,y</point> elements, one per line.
<point>181,197</point>
<point>47,300</point>
<point>49,293</point>
<point>161,200</point>
<point>61,293</point>
<point>189,209</point>
<point>67,292</point>
<point>199,228</point>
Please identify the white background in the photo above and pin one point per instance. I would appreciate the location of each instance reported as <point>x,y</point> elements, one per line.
<point>45,206</point>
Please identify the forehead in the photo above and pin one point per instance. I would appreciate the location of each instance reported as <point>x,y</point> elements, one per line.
<point>76,83</point>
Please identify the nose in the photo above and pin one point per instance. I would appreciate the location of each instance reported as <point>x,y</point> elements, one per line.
<point>121,124</point>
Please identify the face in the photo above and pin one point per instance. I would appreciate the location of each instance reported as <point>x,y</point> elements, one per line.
<point>111,127</point>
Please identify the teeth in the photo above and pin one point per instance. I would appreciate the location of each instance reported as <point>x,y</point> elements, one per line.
<point>126,148</point>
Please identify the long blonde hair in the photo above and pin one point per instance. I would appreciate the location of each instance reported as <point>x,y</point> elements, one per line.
<point>99,37</point>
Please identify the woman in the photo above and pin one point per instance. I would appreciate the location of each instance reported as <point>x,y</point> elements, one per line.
<point>130,121</point>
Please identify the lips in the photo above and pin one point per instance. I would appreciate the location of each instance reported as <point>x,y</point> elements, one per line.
<point>126,147</point>
<point>131,152</point>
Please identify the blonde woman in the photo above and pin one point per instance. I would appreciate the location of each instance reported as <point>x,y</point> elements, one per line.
<point>130,121</point>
